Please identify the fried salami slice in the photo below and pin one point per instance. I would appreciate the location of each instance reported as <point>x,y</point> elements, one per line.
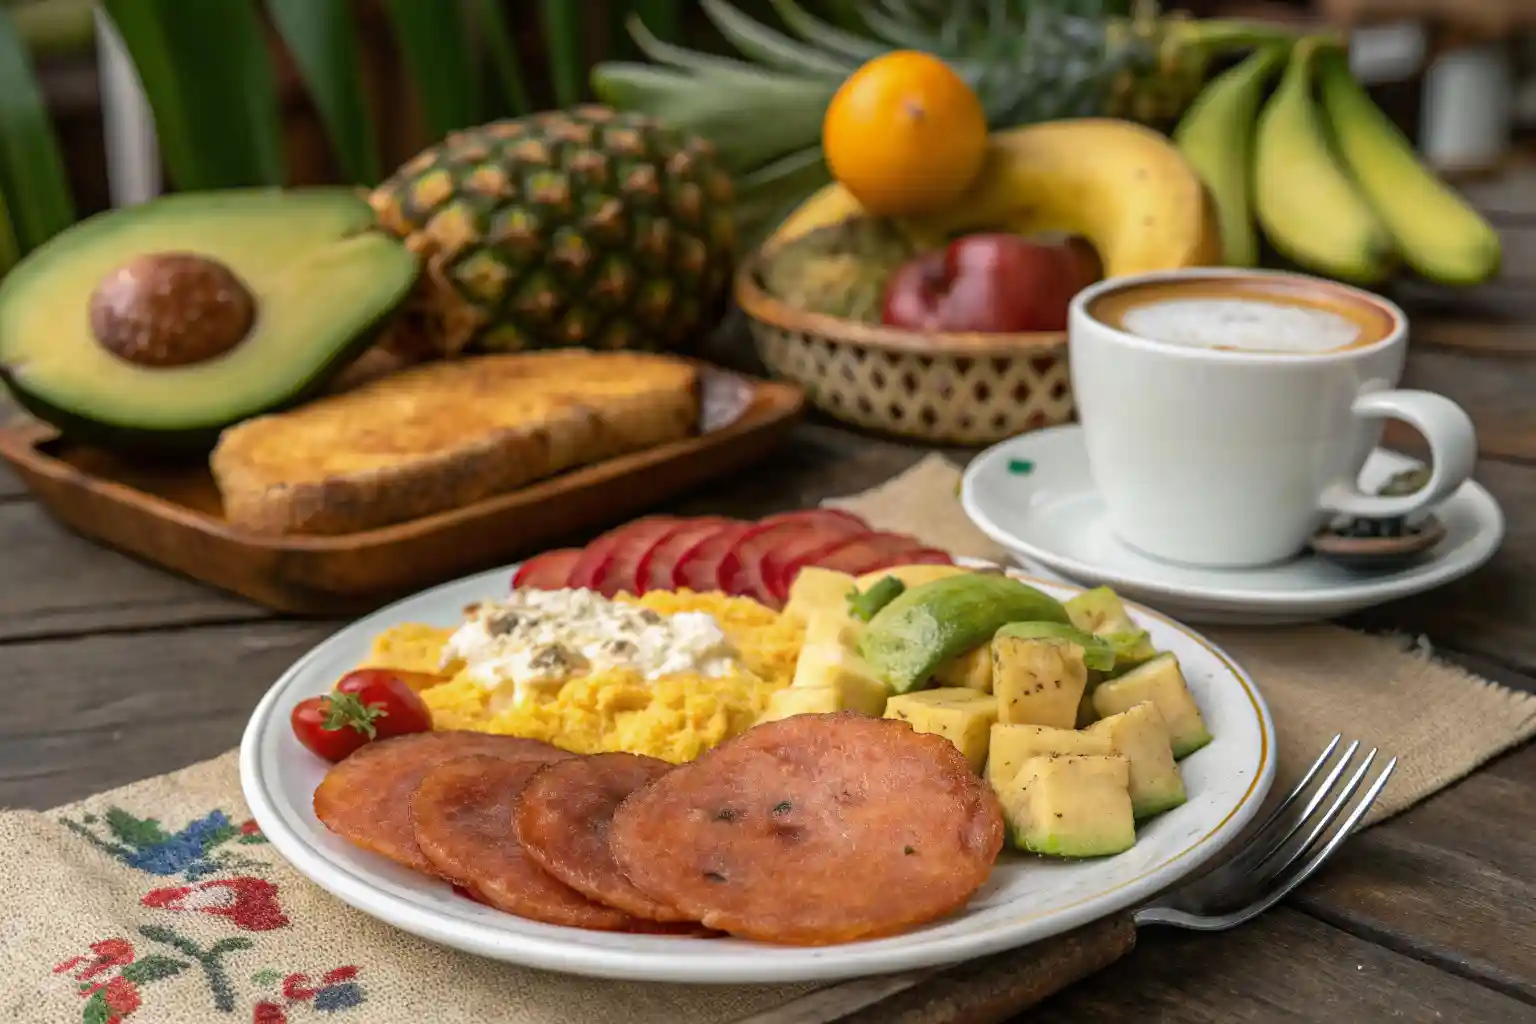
<point>463,817</point>
<point>813,830</point>
<point>367,797</point>
<point>563,818</point>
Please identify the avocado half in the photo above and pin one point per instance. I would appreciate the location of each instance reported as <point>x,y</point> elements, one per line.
<point>155,326</point>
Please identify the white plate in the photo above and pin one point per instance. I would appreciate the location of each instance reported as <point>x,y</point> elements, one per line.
<point>1025,900</point>
<point>1052,516</point>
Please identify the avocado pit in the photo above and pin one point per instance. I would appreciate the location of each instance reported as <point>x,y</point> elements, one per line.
<point>171,309</point>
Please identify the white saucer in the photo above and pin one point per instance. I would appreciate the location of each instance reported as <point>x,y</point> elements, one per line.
<point>1046,512</point>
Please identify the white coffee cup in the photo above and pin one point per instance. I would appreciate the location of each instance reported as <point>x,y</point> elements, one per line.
<point>1223,458</point>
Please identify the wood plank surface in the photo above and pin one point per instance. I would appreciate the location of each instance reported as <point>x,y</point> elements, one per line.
<point>55,583</point>
<point>101,711</point>
<point>1451,882</point>
<point>1284,966</point>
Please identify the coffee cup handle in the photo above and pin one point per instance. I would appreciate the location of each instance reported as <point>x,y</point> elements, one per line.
<point>1452,446</point>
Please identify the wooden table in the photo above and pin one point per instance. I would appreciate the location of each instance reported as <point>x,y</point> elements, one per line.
<point>116,671</point>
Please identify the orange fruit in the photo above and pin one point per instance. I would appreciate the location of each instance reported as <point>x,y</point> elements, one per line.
<point>905,135</point>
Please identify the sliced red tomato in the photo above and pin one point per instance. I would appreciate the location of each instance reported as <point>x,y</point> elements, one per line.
<point>589,568</point>
<point>817,515</point>
<point>547,571</point>
<point>856,554</point>
<point>784,551</point>
<point>622,567</point>
<point>654,572</point>
<point>698,567</point>
<point>746,568</point>
<point>914,556</point>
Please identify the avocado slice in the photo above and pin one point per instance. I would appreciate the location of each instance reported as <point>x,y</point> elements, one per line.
<point>1038,681</point>
<point>155,326</point>
<point>1010,745</point>
<point>1098,655</point>
<point>1141,736</point>
<point>1161,682</point>
<point>960,715</point>
<point>932,622</point>
<point>1070,805</point>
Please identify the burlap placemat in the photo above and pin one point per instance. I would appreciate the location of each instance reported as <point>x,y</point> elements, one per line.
<point>162,902</point>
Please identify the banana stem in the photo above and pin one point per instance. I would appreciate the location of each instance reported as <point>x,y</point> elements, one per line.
<point>1216,36</point>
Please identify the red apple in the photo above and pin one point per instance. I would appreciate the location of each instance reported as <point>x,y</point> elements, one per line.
<point>990,283</point>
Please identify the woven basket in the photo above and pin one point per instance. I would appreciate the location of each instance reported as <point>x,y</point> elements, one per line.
<point>965,389</point>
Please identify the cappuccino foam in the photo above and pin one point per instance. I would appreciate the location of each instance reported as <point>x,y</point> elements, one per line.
<point>1244,325</point>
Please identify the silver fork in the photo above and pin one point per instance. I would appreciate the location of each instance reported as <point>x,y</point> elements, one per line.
<point>1281,853</point>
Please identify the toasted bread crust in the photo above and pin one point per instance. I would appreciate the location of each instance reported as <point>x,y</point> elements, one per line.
<point>445,434</point>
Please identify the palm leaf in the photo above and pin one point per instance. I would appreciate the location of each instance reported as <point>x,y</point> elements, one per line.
<point>435,46</point>
<point>32,179</point>
<point>322,37</point>
<point>563,43</point>
<point>497,33</point>
<point>663,17</point>
<point>207,72</point>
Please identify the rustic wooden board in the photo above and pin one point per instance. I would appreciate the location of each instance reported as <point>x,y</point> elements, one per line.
<point>171,514</point>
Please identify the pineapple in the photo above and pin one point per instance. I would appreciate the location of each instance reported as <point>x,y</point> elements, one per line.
<point>584,227</point>
<point>1028,61</point>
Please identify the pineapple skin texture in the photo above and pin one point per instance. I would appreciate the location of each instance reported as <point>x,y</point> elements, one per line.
<point>587,227</point>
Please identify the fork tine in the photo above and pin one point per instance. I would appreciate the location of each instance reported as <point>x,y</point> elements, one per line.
<point>1345,830</point>
<point>1294,794</point>
<point>1327,818</point>
<point>1271,845</point>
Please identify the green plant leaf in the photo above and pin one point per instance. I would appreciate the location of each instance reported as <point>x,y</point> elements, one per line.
<point>436,49</point>
<point>497,33</point>
<point>772,49</point>
<point>9,252</point>
<point>322,37</point>
<point>38,204</point>
<point>663,17</point>
<point>136,832</point>
<point>56,28</point>
<point>207,72</point>
<point>563,44</point>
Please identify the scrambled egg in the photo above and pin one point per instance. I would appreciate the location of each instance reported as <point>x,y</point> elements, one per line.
<point>675,717</point>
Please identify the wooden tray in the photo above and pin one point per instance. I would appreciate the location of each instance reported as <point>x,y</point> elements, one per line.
<point>171,514</point>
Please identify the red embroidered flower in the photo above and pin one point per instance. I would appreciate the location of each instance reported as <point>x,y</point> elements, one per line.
<point>250,903</point>
<point>268,1013</point>
<point>121,996</point>
<point>108,953</point>
<point>248,827</point>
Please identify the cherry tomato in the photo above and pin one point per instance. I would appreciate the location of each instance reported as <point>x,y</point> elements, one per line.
<point>367,704</point>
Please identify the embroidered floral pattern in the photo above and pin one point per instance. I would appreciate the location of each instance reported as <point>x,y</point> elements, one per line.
<point>251,903</point>
<point>193,852</point>
<point>335,991</point>
<point>111,976</point>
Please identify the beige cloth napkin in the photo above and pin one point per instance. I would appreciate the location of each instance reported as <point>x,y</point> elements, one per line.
<point>161,902</point>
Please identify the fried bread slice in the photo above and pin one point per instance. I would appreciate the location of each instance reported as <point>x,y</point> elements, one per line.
<point>445,434</point>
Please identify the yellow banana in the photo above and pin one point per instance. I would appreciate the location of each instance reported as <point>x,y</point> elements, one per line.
<point>1125,188</point>
<point>1440,235</point>
<point>1307,204</point>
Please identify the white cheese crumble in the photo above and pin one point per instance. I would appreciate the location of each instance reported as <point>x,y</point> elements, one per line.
<point>537,639</point>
